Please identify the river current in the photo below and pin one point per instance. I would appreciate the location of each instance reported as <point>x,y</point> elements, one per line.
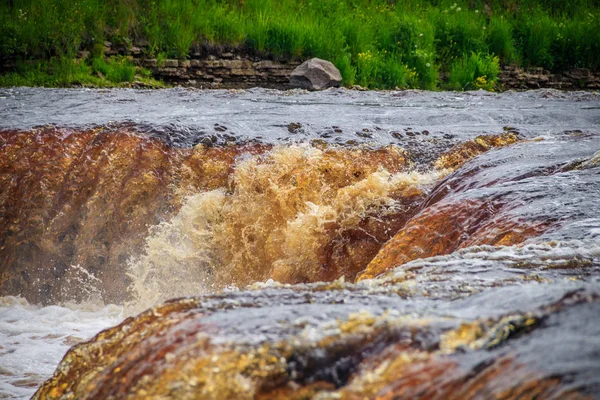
<point>460,231</point>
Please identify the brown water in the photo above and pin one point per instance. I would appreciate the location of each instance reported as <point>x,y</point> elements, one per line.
<point>461,234</point>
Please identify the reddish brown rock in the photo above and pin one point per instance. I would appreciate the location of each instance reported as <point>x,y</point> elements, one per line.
<point>197,348</point>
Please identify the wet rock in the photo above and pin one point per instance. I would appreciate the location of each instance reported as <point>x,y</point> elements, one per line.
<point>316,74</point>
<point>294,127</point>
<point>465,151</point>
<point>220,128</point>
<point>592,162</point>
<point>299,342</point>
<point>365,133</point>
<point>229,137</point>
<point>484,203</point>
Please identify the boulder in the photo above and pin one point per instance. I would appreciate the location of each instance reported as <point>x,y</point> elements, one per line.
<point>316,74</point>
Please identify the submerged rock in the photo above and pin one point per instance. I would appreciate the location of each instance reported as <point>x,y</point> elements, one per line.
<point>463,152</point>
<point>80,205</point>
<point>316,74</point>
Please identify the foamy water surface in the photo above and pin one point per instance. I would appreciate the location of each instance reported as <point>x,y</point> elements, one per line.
<point>33,339</point>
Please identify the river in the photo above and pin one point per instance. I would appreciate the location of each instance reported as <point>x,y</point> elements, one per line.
<point>459,231</point>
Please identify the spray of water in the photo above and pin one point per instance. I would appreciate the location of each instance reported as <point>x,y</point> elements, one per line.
<point>292,214</point>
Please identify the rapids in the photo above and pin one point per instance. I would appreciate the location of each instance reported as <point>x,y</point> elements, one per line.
<point>337,244</point>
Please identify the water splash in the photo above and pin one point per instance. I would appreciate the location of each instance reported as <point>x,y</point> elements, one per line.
<point>87,197</point>
<point>294,214</point>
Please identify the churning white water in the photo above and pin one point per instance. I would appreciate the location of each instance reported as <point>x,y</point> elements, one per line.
<point>33,339</point>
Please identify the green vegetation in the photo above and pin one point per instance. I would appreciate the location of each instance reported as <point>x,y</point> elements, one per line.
<point>474,72</point>
<point>375,43</point>
<point>65,71</point>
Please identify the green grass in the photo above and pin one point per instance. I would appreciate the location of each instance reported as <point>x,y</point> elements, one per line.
<point>115,70</point>
<point>66,72</point>
<point>500,39</point>
<point>374,43</point>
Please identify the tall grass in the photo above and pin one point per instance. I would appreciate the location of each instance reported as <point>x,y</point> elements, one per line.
<point>500,39</point>
<point>374,43</point>
<point>476,71</point>
<point>65,72</point>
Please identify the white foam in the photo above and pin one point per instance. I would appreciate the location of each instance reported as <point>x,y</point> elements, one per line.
<point>33,339</point>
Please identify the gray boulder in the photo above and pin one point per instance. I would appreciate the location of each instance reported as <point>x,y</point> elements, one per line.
<point>316,74</point>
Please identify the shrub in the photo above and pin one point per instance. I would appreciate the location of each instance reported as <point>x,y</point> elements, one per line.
<point>347,70</point>
<point>52,73</point>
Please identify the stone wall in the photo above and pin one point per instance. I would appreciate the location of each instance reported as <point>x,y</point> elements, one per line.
<point>211,66</point>
<point>236,71</point>
<point>228,71</point>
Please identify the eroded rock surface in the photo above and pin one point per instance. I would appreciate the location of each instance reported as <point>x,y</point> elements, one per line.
<point>346,341</point>
<point>503,197</point>
<point>483,259</point>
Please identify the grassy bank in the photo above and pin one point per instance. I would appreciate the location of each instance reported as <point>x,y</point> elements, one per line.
<point>378,43</point>
<point>68,71</point>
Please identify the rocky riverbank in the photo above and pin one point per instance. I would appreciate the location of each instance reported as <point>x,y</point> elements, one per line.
<point>517,78</point>
<point>225,67</point>
<point>237,71</point>
<point>212,67</point>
